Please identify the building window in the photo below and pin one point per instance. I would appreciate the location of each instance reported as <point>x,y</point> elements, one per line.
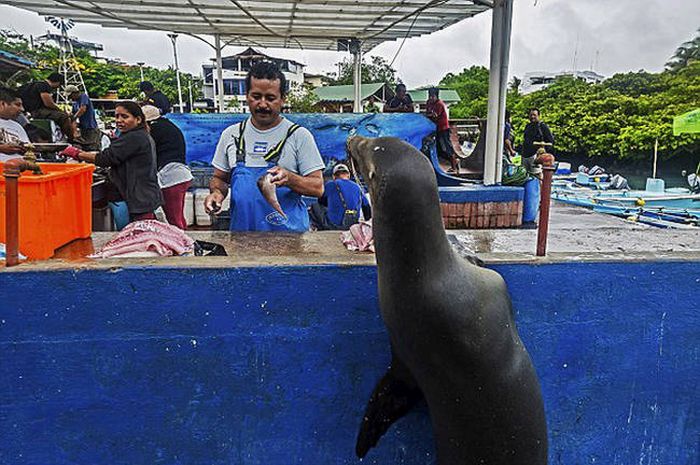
<point>232,87</point>
<point>208,75</point>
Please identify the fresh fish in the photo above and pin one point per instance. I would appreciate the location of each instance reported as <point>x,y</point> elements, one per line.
<point>269,191</point>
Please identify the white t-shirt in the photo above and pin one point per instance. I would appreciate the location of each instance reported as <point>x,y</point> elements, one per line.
<point>11,132</point>
<point>299,154</point>
<point>174,173</point>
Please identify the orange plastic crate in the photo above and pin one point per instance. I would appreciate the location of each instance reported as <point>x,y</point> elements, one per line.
<point>54,208</point>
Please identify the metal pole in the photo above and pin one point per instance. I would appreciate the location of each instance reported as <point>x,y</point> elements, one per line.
<point>219,88</point>
<point>493,121</point>
<point>173,39</point>
<point>545,200</point>
<point>356,50</point>
<point>191,101</point>
<point>141,63</point>
<point>656,156</point>
<point>505,61</point>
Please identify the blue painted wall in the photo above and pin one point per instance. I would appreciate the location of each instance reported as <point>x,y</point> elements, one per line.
<point>274,365</point>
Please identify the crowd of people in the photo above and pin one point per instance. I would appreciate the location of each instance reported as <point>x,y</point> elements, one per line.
<point>147,156</point>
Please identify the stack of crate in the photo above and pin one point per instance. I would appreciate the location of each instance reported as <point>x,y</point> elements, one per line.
<point>481,207</point>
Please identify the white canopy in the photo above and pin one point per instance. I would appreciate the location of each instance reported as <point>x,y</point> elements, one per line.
<point>306,24</point>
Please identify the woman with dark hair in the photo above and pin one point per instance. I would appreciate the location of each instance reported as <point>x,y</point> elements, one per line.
<point>132,162</point>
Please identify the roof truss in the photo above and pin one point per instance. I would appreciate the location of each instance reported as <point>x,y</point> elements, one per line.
<point>307,24</point>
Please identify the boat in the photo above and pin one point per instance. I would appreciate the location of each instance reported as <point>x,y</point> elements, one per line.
<point>673,207</point>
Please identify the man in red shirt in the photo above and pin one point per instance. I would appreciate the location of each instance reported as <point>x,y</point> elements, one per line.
<point>436,110</point>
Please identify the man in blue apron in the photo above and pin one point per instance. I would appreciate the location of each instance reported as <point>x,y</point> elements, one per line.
<point>266,143</point>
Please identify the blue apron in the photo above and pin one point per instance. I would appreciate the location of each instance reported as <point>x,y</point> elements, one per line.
<point>249,209</point>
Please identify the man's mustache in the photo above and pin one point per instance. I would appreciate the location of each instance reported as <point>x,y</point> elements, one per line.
<point>263,111</point>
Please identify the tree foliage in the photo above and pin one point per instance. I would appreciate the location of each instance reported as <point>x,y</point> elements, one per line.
<point>621,117</point>
<point>100,76</point>
<point>687,53</point>
<point>377,70</point>
<point>302,98</point>
<point>472,85</point>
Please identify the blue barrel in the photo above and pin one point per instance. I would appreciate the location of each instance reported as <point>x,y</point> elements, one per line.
<point>531,200</point>
<point>120,213</point>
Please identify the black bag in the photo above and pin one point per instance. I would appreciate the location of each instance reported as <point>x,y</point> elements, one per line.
<point>209,249</point>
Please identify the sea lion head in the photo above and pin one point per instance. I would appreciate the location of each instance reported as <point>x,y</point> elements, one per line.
<point>394,171</point>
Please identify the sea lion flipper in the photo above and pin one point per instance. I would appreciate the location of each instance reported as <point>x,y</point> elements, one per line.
<point>394,396</point>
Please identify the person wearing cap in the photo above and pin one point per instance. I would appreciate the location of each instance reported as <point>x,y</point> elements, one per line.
<point>155,97</point>
<point>174,176</point>
<point>339,207</point>
<point>37,98</point>
<point>84,114</point>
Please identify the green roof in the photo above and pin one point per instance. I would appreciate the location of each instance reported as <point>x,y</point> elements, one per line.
<point>345,93</point>
<point>446,95</point>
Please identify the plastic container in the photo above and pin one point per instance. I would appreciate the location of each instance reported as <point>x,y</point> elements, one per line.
<point>55,208</point>
<point>657,186</point>
<point>563,168</point>
<point>201,217</point>
<point>531,200</point>
<point>189,208</point>
<point>120,213</point>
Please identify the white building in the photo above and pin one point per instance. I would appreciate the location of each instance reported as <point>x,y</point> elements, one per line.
<point>235,69</point>
<point>533,82</point>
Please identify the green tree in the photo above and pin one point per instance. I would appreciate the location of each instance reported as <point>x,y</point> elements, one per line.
<point>472,85</point>
<point>377,70</point>
<point>100,76</point>
<point>514,85</point>
<point>621,117</point>
<point>302,98</point>
<point>687,53</point>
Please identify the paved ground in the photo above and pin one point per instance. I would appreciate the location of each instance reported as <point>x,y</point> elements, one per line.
<point>575,234</point>
<point>579,230</point>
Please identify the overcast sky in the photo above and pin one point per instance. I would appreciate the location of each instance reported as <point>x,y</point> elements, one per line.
<point>607,36</point>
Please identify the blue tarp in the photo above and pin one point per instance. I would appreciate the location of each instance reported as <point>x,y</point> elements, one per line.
<point>16,59</point>
<point>330,130</point>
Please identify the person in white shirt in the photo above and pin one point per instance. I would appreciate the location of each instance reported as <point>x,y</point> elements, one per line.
<point>12,134</point>
<point>267,142</point>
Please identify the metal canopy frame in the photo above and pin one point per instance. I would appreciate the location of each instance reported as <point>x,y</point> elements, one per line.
<point>306,24</point>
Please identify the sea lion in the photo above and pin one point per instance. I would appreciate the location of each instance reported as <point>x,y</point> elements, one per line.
<point>450,323</point>
<point>269,191</point>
